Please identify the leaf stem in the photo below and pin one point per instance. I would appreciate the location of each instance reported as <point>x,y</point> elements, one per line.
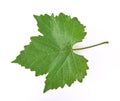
<point>105,42</point>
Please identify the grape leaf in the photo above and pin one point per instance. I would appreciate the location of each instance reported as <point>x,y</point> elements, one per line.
<point>52,53</point>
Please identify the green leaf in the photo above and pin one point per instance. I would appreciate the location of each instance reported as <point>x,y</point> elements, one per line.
<point>52,53</point>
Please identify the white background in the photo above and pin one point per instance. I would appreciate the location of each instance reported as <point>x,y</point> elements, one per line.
<point>17,25</point>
